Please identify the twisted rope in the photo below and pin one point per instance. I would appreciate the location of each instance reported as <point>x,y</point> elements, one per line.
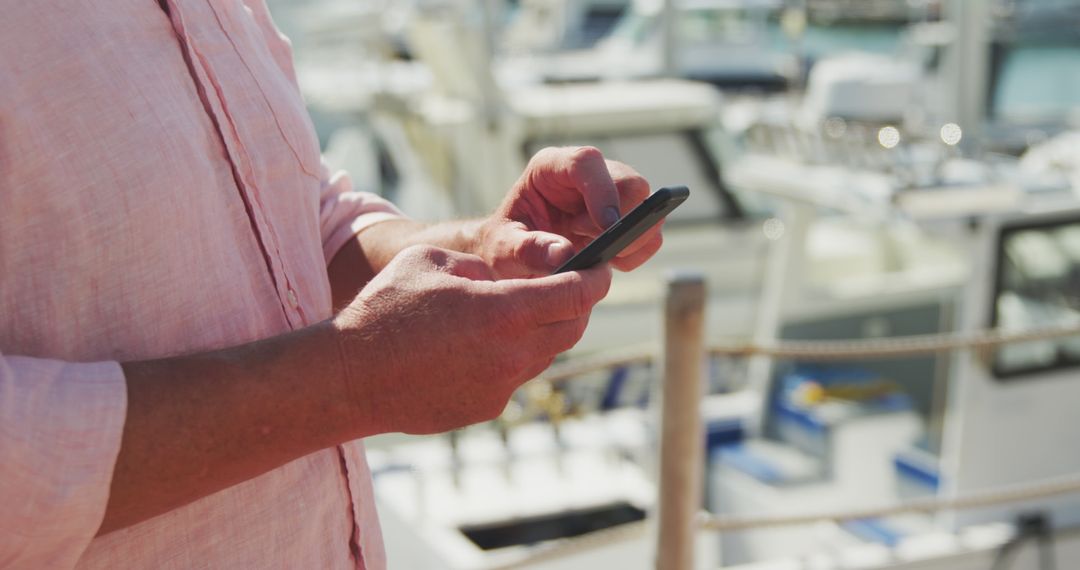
<point>824,350</point>
<point>1003,496</point>
<point>1006,495</point>
<point>869,349</point>
<point>861,349</point>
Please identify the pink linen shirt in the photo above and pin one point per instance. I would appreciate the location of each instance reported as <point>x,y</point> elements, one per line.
<point>161,193</point>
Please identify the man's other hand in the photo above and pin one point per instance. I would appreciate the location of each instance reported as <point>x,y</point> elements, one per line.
<point>564,199</point>
<point>434,343</point>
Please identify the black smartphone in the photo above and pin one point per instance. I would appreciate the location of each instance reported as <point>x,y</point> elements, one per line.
<point>630,227</point>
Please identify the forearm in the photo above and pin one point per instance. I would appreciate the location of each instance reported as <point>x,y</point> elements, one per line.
<point>369,252</point>
<point>198,424</point>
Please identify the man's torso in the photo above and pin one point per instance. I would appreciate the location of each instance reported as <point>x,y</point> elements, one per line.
<point>159,195</point>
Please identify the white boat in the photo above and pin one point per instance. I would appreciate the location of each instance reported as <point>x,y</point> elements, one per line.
<point>722,42</point>
<point>551,26</point>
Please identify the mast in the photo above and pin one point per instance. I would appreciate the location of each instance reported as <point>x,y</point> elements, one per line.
<point>967,66</point>
<point>668,38</point>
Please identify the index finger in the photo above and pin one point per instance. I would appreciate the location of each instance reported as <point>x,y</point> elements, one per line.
<point>562,297</point>
<point>584,171</point>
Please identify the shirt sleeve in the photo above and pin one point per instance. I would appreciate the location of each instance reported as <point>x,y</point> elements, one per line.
<point>60,430</point>
<point>343,212</point>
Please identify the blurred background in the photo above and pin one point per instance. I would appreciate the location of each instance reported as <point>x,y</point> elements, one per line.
<point>860,169</point>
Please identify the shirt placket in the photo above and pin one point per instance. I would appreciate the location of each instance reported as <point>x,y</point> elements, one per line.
<point>207,80</point>
<point>205,76</point>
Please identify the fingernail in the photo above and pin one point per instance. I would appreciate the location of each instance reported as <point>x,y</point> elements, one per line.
<point>611,215</point>
<point>554,254</point>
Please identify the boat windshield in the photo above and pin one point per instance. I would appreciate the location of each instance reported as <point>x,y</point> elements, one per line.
<point>1038,285</point>
<point>1036,84</point>
<point>634,27</point>
<point>695,24</point>
<point>703,25</point>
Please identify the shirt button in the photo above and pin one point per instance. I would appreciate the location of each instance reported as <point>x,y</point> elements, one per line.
<point>292,299</point>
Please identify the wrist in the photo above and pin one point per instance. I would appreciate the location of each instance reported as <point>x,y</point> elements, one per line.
<point>364,377</point>
<point>332,358</point>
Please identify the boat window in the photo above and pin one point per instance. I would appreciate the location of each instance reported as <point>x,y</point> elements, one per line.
<point>1038,285</point>
<point>599,21</point>
<point>634,28</point>
<point>532,530</point>
<point>699,26</point>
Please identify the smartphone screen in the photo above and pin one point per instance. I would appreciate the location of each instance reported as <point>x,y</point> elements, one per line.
<point>630,227</point>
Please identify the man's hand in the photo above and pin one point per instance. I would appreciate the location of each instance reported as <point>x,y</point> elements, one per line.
<point>564,199</point>
<point>433,342</point>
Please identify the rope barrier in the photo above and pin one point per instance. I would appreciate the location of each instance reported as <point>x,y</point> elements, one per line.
<point>824,350</point>
<point>599,539</point>
<point>861,349</point>
<point>865,349</point>
<point>1014,494</point>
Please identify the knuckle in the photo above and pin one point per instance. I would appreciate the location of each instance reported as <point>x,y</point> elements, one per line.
<point>584,155</point>
<point>622,171</point>
<point>636,185</point>
<point>618,168</point>
<point>581,301</point>
<point>605,286</point>
<point>418,250</point>
<point>453,261</point>
<point>545,154</point>
<point>522,247</point>
<point>424,253</point>
<point>657,242</point>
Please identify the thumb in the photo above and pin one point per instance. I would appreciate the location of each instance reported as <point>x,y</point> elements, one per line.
<point>536,253</point>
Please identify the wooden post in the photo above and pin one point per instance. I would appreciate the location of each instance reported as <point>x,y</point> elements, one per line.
<point>681,436</point>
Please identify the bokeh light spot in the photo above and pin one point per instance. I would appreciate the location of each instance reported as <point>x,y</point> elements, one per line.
<point>888,136</point>
<point>951,133</point>
<point>773,228</point>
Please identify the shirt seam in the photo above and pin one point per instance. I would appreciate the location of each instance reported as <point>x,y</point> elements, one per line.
<point>262,93</point>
